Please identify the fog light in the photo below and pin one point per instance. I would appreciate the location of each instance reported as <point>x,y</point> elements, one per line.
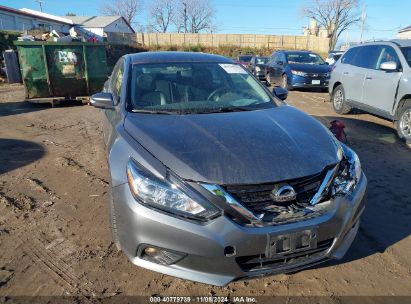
<point>161,256</point>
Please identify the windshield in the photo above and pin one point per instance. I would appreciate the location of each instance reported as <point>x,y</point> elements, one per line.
<point>261,60</point>
<point>407,54</point>
<point>305,58</point>
<point>185,88</point>
<point>246,58</point>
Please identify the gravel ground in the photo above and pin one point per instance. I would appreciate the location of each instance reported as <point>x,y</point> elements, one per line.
<point>54,230</point>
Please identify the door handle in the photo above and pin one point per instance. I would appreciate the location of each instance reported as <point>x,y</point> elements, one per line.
<point>346,73</point>
<point>368,77</point>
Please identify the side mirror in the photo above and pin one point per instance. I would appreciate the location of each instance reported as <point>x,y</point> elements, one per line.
<point>389,66</point>
<point>280,93</point>
<point>102,100</point>
<point>280,62</point>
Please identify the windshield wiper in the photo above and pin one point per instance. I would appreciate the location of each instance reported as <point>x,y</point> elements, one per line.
<point>226,110</point>
<point>153,112</point>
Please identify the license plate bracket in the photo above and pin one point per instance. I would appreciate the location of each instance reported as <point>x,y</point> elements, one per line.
<point>289,243</point>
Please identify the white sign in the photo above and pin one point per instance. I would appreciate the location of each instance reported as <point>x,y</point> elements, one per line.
<point>232,68</point>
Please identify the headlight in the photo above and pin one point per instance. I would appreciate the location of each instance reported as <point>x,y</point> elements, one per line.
<point>327,75</point>
<point>257,69</point>
<point>349,172</point>
<point>299,73</point>
<point>167,195</point>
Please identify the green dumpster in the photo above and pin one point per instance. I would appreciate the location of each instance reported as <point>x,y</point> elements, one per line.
<point>53,71</point>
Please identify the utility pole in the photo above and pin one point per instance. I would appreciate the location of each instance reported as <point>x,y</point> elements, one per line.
<point>40,2</point>
<point>185,17</point>
<point>363,17</point>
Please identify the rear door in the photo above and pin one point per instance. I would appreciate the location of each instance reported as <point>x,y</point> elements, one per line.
<point>380,86</point>
<point>354,73</point>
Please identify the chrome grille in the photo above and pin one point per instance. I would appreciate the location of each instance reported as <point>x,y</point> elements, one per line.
<point>316,75</point>
<point>257,197</point>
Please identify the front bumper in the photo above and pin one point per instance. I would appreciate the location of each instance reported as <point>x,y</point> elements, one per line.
<point>204,244</point>
<point>297,81</point>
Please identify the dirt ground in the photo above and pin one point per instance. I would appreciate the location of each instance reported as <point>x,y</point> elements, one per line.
<point>54,230</point>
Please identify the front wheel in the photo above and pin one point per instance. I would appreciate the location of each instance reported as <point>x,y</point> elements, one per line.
<point>403,123</point>
<point>338,100</point>
<point>113,222</point>
<point>284,83</point>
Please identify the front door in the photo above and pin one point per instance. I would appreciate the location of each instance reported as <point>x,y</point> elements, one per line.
<point>380,86</point>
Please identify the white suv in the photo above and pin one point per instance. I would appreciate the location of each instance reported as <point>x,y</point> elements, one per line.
<point>376,78</point>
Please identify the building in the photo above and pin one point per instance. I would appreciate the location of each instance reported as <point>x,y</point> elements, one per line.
<point>101,25</point>
<point>315,30</point>
<point>25,20</point>
<point>404,33</point>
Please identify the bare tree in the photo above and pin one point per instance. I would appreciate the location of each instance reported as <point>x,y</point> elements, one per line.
<point>335,16</point>
<point>194,16</point>
<point>125,8</point>
<point>162,14</point>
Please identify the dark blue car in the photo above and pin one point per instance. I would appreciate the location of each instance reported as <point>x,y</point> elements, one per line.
<point>297,69</point>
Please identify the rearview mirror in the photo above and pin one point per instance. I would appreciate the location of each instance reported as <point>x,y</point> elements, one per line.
<point>389,66</point>
<point>280,93</point>
<point>102,100</point>
<point>280,62</point>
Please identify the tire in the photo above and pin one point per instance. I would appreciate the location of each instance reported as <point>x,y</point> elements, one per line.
<point>403,122</point>
<point>113,223</point>
<point>338,101</point>
<point>284,83</point>
<point>268,79</point>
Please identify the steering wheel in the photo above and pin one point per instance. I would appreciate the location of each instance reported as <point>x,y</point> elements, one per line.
<point>217,93</point>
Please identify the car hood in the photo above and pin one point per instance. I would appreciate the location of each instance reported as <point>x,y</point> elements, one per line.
<point>250,147</point>
<point>310,68</point>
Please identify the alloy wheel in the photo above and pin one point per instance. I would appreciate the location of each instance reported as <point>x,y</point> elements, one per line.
<point>405,123</point>
<point>338,99</point>
<point>285,82</point>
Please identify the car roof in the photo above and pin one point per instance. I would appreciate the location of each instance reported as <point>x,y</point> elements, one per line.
<point>159,57</point>
<point>398,42</point>
<point>402,42</point>
<point>296,51</point>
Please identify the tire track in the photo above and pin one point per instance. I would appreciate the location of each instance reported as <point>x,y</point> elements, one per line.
<point>51,261</point>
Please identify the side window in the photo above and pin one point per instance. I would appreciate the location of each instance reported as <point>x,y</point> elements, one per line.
<point>273,58</point>
<point>387,53</point>
<point>281,57</point>
<point>367,56</point>
<point>116,80</point>
<point>349,55</point>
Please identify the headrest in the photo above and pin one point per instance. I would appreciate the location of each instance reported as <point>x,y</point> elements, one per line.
<point>145,82</point>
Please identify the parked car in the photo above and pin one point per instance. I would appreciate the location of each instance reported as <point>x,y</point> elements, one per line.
<point>257,66</point>
<point>244,60</point>
<point>297,69</point>
<point>214,179</point>
<point>333,56</point>
<point>374,77</point>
